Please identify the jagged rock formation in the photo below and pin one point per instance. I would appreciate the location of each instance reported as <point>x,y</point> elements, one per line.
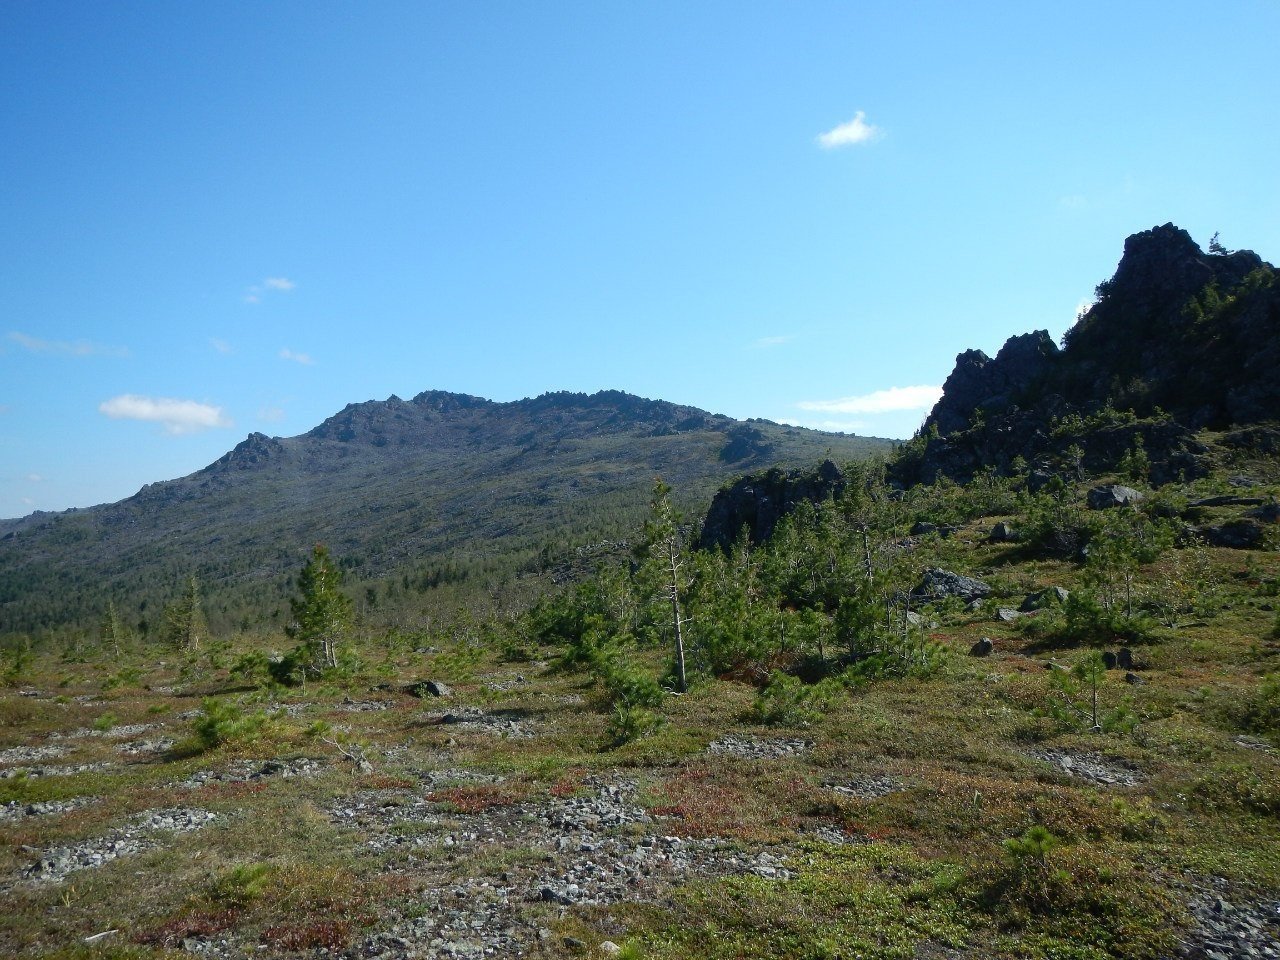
<point>1178,340</point>
<point>758,502</point>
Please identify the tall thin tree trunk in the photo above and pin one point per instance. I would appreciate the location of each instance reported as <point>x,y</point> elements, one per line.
<point>681,681</point>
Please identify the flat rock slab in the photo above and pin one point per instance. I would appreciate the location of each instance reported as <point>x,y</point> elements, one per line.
<point>1091,767</point>
<point>473,718</point>
<point>757,749</point>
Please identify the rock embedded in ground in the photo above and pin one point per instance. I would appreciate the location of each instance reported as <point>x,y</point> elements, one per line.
<point>939,584</point>
<point>1048,597</point>
<point>429,688</point>
<point>1111,496</point>
<point>758,749</point>
<point>1002,533</point>
<point>866,788</point>
<point>1091,767</point>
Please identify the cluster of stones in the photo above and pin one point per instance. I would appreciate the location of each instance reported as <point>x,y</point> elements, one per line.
<point>1091,767</point>
<point>57,863</point>
<point>754,748</point>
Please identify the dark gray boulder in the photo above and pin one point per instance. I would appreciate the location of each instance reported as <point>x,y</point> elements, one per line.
<point>428,688</point>
<point>1048,597</point>
<point>1112,495</point>
<point>982,648</point>
<point>1002,533</point>
<point>939,584</point>
<point>1243,534</point>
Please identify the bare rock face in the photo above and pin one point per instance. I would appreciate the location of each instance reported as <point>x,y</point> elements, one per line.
<point>1181,338</point>
<point>759,502</point>
<point>979,383</point>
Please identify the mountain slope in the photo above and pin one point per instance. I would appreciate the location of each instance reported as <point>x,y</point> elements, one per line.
<point>440,487</point>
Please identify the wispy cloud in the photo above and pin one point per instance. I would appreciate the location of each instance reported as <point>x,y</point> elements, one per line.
<point>220,345</point>
<point>66,348</point>
<point>176,416</point>
<point>833,426</point>
<point>302,358</point>
<point>879,401</point>
<point>34,477</point>
<point>763,343</point>
<point>268,285</point>
<point>271,414</point>
<point>848,134</point>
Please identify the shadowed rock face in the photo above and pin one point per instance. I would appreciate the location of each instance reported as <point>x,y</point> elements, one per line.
<point>759,502</point>
<point>992,386</point>
<point>1187,338</point>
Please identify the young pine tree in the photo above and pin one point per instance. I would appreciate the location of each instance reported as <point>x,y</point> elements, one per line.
<point>321,611</point>
<point>184,623</point>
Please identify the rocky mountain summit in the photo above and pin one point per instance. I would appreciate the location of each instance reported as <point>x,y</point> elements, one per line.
<point>1178,340</point>
<point>442,487</point>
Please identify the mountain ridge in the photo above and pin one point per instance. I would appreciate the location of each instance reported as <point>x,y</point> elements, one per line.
<point>448,480</point>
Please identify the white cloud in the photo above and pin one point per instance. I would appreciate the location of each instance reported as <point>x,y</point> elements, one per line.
<point>855,131</point>
<point>65,348</point>
<point>271,414</point>
<point>766,342</point>
<point>220,345</point>
<point>880,401</point>
<point>302,358</point>
<point>831,426</point>
<point>34,477</point>
<point>28,501</point>
<point>177,416</point>
<point>268,285</point>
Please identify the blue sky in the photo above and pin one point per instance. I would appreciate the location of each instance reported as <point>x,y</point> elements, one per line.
<point>221,218</point>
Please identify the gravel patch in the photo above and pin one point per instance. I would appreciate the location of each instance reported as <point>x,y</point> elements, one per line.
<point>15,810</point>
<point>755,748</point>
<point>137,748</point>
<point>362,706</point>
<point>1091,767</point>
<point>115,733</point>
<point>57,863</point>
<point>1226,930</point>
<point>866,788</point>
<point>67,770</point>
<point>247,771</point>
<point>30,754</point>
<point>585,850</point>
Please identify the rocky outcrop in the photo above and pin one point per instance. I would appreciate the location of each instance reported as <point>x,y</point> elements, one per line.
<point>980,386</point>
<point>1178,339</point>
<point>758,502</point>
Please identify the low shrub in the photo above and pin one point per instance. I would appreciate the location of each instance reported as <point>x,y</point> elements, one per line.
<point>223,721</point>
